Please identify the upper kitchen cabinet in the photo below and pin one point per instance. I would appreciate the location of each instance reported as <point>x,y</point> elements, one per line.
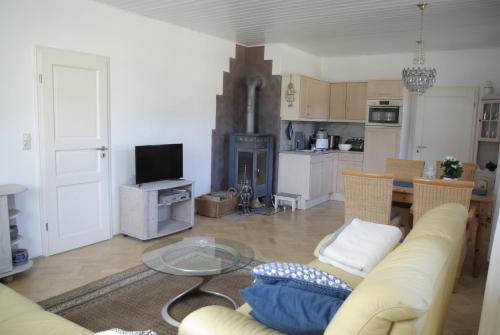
<point>338,98</point>
<point>348,102</point>
<point>385,89</point>
<point>488,125</point>
<point>304,98</point>
<point>356,101</point>
<point>315,99</point>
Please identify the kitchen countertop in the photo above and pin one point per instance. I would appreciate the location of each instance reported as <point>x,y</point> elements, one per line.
<point>322,152</point>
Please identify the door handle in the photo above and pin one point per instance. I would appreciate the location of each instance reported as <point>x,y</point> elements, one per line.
<point>103,150</point>
<point>420,147</point>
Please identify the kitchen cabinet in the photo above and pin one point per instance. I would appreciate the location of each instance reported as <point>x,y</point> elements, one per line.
<point>315,99</point>
<point>348,101</point>
<point>321,176</point>
<point>345,161</point>
<point>385,89</point>
<point>317,177</point>
<point>310,175</point>
<point>356,101</point>
<point>338,98</point>
<point>311,99</point>
<point>380,143</point>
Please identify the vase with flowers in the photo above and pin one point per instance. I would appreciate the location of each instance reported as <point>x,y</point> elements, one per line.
<point>452,168</point>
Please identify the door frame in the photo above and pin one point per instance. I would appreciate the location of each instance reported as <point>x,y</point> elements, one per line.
<point>41,137</point>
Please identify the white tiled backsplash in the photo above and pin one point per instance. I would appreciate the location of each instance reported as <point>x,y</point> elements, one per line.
<point>343,129</point>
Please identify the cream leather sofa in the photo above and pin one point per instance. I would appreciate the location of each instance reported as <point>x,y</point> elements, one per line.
<point>21,316</point>
<point>407,293</point>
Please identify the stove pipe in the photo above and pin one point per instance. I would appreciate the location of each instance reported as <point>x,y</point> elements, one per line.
<point>252,85</point>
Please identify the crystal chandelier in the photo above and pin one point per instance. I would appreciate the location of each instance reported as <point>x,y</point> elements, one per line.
<point>418,79</point>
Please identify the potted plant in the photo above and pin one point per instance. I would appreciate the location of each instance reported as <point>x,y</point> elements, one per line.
<point>452,168</point>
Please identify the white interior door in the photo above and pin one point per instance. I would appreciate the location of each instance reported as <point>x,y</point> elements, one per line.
<point>445,124</point>
<point>73,103</point>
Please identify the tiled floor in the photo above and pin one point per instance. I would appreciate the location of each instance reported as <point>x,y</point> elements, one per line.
<point>285,236</point>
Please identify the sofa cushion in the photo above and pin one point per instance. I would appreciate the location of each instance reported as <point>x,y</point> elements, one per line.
<point>291,310</point>
<point>302,277</point>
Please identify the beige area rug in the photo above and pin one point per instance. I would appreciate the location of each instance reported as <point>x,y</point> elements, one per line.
<point>132,300</point>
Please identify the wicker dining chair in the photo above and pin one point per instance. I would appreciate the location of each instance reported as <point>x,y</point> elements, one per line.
<point>467,175</point>
<point>368,196</point>
<point>430,193</point>
<point>404,169</point>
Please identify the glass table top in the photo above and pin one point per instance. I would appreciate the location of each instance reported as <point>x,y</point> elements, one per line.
<point>198,256</point>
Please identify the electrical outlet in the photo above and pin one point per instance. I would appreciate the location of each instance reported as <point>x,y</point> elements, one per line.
<point>26,141</point>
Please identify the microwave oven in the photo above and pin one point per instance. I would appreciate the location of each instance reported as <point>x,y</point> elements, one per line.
<point>386,113</point>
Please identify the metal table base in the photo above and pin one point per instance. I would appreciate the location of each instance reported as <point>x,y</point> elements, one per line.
<point>195,289</point>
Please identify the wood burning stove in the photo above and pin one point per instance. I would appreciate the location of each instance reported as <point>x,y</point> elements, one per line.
<point>252,154</point>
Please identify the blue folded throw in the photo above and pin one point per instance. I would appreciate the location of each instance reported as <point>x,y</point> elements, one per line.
<point>291,310</point>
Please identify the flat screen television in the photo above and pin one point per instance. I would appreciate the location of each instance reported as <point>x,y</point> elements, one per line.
<point>158,162</point>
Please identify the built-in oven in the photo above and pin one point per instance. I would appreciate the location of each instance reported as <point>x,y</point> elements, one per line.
<point>384,113</point>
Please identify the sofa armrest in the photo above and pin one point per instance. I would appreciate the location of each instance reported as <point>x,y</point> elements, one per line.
<point>220,320</point>
<point>323,241</point>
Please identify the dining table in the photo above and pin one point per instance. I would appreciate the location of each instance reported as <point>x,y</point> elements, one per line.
<point>483,205</point>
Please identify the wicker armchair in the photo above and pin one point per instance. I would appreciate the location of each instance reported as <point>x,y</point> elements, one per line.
<point>430,193</point>
<point>404,169</point>
<point>368,196</point>
<point>467,175</point>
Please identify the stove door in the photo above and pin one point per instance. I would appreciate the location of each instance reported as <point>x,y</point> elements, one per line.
<point>245,164</point>
<point>261,169</point>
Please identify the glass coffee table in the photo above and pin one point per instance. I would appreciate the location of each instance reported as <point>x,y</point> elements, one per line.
<point>202,257</point>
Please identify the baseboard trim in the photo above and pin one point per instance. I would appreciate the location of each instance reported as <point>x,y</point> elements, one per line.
<point>337,196</point>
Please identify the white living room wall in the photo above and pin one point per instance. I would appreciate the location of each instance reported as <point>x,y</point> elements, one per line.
<point>163,85</point>
<point>455,68</point>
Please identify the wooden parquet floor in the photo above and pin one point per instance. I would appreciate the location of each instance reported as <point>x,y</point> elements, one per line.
<point>286,236</point>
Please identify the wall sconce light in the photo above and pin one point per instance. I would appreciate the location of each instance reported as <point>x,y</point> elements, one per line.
<point>290,93</point>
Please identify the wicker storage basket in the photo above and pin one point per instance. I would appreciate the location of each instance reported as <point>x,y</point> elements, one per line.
<point>214,206</point>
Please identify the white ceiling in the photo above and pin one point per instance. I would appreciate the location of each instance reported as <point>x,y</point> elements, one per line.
<point>333,27</point>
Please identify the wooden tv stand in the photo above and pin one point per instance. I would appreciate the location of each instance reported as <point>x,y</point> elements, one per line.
<point>156,209</point>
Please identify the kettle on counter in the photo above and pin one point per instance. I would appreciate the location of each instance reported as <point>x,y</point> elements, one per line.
<point>321,139</point>
<point>321,133</point>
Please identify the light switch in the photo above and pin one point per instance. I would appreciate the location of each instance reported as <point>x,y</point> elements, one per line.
<point>27,141</point>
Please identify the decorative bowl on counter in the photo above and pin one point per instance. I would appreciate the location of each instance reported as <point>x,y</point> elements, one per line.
<point>345,147</point>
